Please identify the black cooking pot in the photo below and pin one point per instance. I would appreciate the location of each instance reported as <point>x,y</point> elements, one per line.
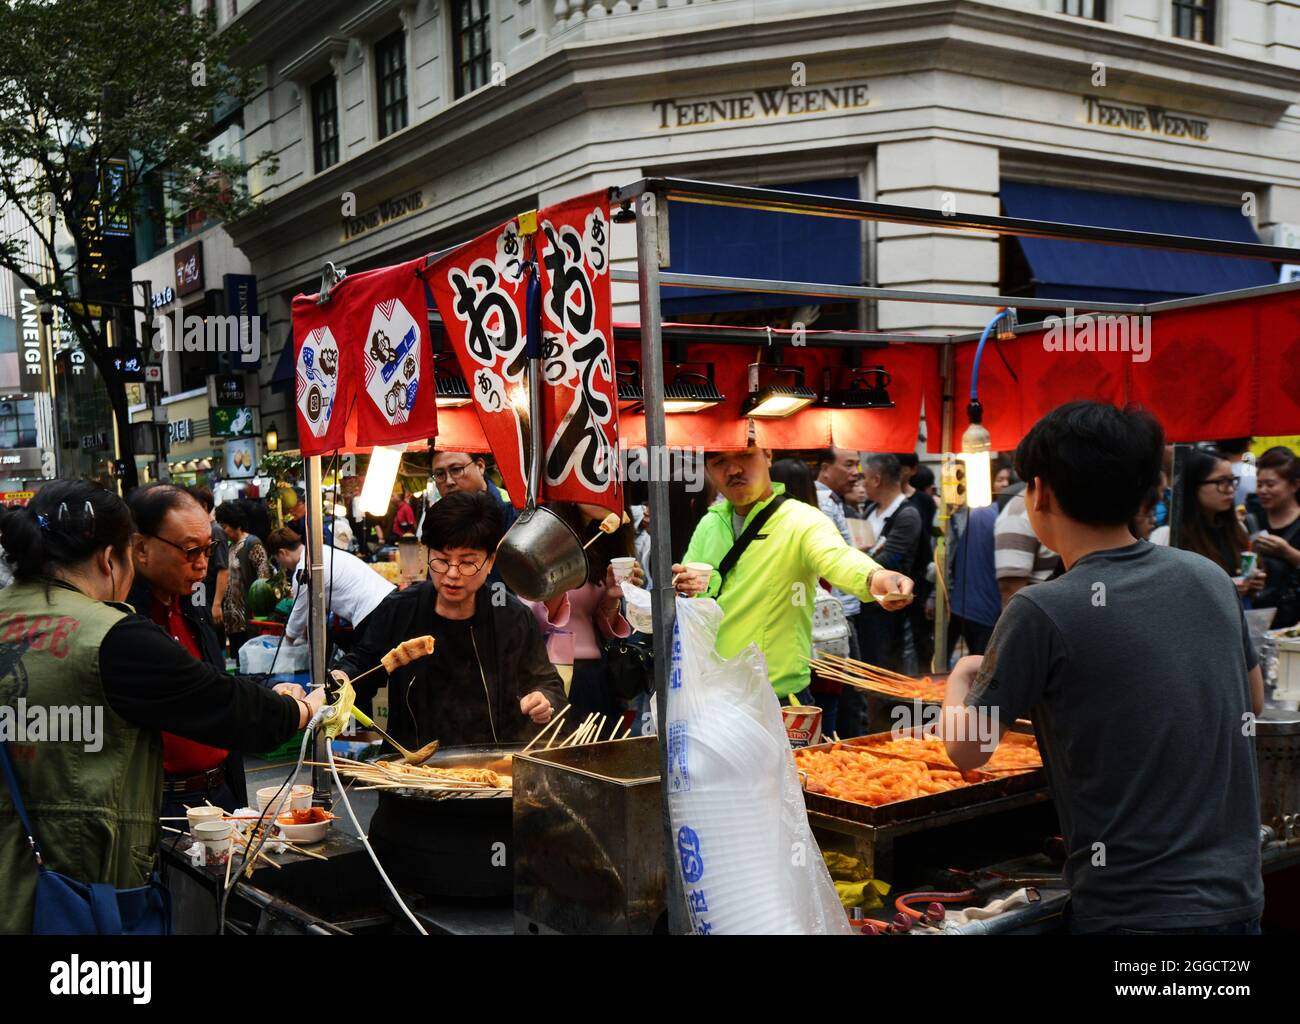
<point>453,850</point>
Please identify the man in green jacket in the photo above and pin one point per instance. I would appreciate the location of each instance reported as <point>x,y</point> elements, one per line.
<point>768,596</point>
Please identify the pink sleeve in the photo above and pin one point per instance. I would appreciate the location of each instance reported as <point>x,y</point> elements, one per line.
<point>548,621</point>
<point>612,627</point>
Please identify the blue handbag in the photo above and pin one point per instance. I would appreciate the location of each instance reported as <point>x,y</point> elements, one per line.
<point>65,906</point>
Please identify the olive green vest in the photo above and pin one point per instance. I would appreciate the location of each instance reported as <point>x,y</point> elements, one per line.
<point>95,813</point>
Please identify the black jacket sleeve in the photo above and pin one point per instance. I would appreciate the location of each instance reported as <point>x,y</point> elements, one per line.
<point>901,541</point>
<point>152,682</point>
<point>384,631</point>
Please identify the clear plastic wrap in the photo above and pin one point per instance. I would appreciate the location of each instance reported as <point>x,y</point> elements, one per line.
<point>748,861</point>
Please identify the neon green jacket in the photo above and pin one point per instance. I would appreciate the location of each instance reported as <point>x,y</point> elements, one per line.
<point>770,592</point>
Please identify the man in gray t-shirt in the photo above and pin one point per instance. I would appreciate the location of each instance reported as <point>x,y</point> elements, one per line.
<point>1139,675</point>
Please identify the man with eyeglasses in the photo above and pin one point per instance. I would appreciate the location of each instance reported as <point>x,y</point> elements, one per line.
<point>171,551</point>
<point>455,472</point>
<point>489,680</point>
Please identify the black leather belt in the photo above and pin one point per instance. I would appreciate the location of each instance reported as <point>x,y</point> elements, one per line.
<point>202,783</point>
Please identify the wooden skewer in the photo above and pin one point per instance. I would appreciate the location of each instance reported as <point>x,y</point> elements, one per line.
<point>627,732</point>
<point>573,736</point>
<point>599,729</point>
<point>553,723</point>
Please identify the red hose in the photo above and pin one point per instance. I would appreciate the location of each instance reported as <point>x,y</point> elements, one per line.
<point>903,902</point>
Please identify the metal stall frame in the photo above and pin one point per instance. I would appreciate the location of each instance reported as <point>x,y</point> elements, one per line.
<point>648,199</point>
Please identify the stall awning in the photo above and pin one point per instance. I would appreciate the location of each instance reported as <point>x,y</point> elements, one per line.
<point>1114,273</point>
<point>732,242</point>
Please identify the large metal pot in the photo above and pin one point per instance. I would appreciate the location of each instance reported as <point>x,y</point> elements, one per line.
<point>540,557</point>
<point>454,850</point>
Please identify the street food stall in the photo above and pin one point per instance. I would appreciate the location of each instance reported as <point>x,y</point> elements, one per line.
<point>574,835</point>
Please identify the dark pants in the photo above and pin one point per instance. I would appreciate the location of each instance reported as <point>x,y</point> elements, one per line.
<point>847,707</point>
<point>880,636</point>
<point>174,804</point>
<point>922,631</point>
<point>976,635</point>
<point>589,693</point>
<point>237,640</point>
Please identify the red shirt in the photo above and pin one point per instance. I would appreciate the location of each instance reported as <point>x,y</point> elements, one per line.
<point>181,756</point>
<point>404,521</point>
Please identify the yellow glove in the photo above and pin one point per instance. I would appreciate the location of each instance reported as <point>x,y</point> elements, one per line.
<point>343,702</point>
<point>866,895</point>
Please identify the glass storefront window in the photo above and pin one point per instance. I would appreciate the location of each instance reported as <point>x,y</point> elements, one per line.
<point>17,423</point>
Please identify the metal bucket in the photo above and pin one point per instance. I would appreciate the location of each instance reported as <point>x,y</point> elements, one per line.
<point>541,557</point>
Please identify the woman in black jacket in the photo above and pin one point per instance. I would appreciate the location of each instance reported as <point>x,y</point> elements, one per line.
<point>489,679</point>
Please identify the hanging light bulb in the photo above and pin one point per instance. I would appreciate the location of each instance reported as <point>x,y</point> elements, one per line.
<point>976,452</point>
<point>377,491</point>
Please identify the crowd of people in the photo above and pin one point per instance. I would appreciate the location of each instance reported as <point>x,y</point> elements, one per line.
<point>160,586</point>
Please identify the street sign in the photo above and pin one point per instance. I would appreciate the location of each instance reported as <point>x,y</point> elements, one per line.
<point>91,309</point>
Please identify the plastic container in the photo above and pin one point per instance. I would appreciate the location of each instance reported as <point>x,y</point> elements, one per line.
<point>1288,667</point>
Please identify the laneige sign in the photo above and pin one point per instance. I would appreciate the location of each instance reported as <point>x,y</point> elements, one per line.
<point>761,105</point>
<point>1155,120</point>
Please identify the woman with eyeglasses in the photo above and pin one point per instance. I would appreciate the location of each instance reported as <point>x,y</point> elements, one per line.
<point>248,563</point>
<point>93,779</point>
<point>488,680</point>
<point>1210,526</point>
<point>1277,480</point>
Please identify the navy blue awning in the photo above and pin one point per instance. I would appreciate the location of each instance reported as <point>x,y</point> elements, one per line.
<point>1115,273</point>
<point>282,376</point>
<point>732,242</point>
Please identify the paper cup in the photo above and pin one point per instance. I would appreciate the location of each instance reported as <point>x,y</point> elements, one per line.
<point>700,571</point>
<point>215,837</point>
<point>195,815</point>
<point>300,798</point>
<point>803,725</point>
<point>267,794</point>
<point>622,568</point>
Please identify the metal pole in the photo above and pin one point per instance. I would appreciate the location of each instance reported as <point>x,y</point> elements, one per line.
<point>939,663</point>
<point>648,226</point>
<point>316,614</point>
<point>1176,494</point>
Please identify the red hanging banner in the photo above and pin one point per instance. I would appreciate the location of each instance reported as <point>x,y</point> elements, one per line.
<point>480,292</point>
<point>580,393</point>
<point>324,389</point>
<point>390,325</point>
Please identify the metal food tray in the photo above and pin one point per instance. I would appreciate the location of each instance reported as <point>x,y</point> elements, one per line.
<point>993,788</point>
<point>480,756</point>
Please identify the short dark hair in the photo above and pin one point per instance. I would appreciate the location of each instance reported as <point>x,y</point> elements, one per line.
<point>923,478</point>
<point>798,479</point>
<point>886,465</point>
<point>65,524</point>
<point>464,519</point>
<point>1230,446</point>
<point>200,494</point>
<point>1100,461</point>
<point>151,504</point>
<point>1282,461</point>
<point>231,514</point>
<point>908,459</point>
<point>281,540</point>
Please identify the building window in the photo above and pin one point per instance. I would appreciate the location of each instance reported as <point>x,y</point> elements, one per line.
<point>325,122</point>
<point>471,50</point>
<point>390,72</point>
<point>18,423</point>
<point>1094,10</point>
<point>1194,19</point>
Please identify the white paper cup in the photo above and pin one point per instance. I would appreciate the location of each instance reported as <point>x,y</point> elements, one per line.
<point>700,571</point>
<point>215,837</point>
<point>267,794</point>
<point>195,815</point>
<point>622,568</point>
<point>300,798</point>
